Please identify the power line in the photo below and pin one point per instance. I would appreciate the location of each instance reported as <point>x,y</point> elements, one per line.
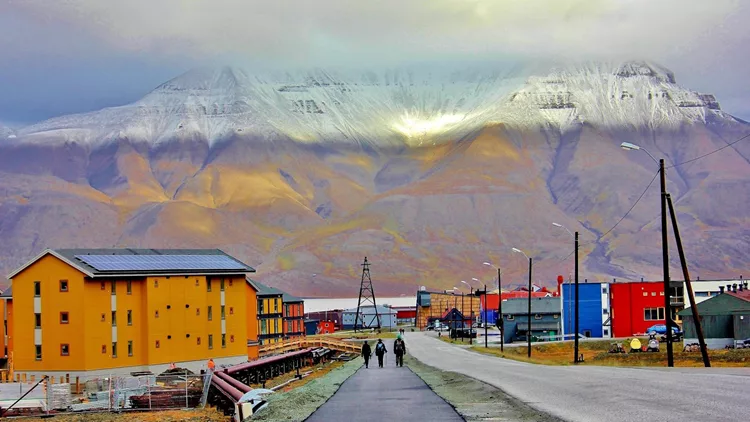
<point>712,152</point>
<point>631,208</point>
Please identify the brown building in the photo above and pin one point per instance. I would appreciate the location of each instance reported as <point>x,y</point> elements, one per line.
<point>433,305</point>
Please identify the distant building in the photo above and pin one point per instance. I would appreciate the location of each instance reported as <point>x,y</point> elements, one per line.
<point>294,316</point>
<point>545,318</point>
<point>326,327</point>
<point>433,305</point>
<point>706,289</point>
<point>270,313</point>
<point>489,302</point>
<point>725,318</point>
<point>594,313</point>
<point>368,318</point>
<point>311,327</point>
<point>405,314</point>
<point>636,306</point>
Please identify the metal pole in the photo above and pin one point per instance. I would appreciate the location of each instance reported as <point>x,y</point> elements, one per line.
<point>484,320</point>
<point>187,404</point>
<point>575,357</point>
<point>471,314</point>
<point>528,329</point>
<point>500,309</point>
<point>463,317</point>
<point>665,264</point>
<point>696,317</point>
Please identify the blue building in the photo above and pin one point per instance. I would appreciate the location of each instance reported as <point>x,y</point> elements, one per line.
<point>594,315</point>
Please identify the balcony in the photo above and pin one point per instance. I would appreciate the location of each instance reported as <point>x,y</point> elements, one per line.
<point>677,301</point>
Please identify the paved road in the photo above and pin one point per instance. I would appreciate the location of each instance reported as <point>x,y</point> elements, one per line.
<point>600,393</point>
<point>388,394</point>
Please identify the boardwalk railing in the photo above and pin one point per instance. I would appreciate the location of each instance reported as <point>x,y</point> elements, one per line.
<point>285,346</point>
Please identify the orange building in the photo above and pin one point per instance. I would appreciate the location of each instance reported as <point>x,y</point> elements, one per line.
<point>294,316</point>
<point>92,311</point>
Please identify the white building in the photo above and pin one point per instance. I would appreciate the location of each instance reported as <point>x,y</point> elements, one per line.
<point>706,289</point>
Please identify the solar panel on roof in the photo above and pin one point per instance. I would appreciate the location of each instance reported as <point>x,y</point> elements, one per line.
<point>160,262</point>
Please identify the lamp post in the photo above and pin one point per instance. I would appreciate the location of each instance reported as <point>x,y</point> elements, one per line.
<point>528,329</point>
<point>575,237</point>
<point>664,248</point>
<point>463,312</point>
<point>484,318</point>
<point>499,304</point>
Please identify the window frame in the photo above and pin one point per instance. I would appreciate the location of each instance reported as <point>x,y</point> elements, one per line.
<point>208,285</point>
<point>210,313</point>
<point>37,352</point>
<point>37,289</point>
<point>113,286</point>
<point>129,287</point>
<point>130,348</point>
<point>67,318</point>
<point>114,349</point>
<point>223,341</point>
<point>130,316</point>
<point>114,318</point>
<point>66,285</point>
<point>37,320</point>
<point>64,349</point>
<point>210,341</point>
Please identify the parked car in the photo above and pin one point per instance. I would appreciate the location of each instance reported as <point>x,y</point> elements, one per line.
<point>677,334</point>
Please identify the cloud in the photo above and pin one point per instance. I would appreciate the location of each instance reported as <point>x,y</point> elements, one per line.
<point>344,31</point>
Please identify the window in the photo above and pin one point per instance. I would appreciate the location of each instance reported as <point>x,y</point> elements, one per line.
<point>645,293</point>
<point>223,340</point>
<point>210,341</point>
<point>130,317</point>
<point>130,347</point>
<point>276,306</point>
<point>210,313</point>
<point>701,294</point>
<point>197,282</point>
<point>653,293</point>
<point>64,350</point>
<point>156,283</point>
<point>221,285</point>
<point>604,312</point>
<point>275,325</point>
<point>64,318</point>
<point>114,287</point>
<point>38,351</point>
<point>606,332</point>
<point>231,339</point>
<point>263,327</point>
<point>537,316</point>
<point>114,349</point>
<point>509,317</point>
<point>197,311</point>
<point>129,287</point>
<point>63,285</point>
<point>653,314</point>
<point>222,313</point>
<point>157,344</point>
<point>156,314</point>
<point>102,286</point>
<point>208,284</point>
<point>604,290</point>
<point>37,320</point>
<point>37,289</point>
<point>198,340</point>
<point>556,316</point>
<point>230,282</point>
<point>231,310</point>
<point>114,318</point>
<point>661,293</point>
<point>104,317</point>
<point>260,306</point>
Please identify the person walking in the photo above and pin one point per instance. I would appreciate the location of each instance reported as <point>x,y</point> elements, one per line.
<point>399,349</point>
<point>211,365</point>
<point>380,352</point>
<point>366,353</point>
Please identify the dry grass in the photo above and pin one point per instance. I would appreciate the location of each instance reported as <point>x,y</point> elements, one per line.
<point>194,415</point>
<point>595,353</point>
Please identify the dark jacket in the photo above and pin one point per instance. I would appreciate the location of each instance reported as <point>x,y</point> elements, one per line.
<point>401,350</point>
<point>366,351</point>
<point>382,351</point>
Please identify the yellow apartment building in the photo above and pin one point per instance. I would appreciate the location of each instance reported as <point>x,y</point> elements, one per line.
<point>103,311</point>
<point>270,318</point>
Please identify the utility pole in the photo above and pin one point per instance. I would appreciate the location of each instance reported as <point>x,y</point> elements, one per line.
<point>665,264</point>
<point>484,320</point>
<point>575,358</point>
<point>696,317</point>
<point>500,309</point>
<point>471,314</point>
<point>528,332</point>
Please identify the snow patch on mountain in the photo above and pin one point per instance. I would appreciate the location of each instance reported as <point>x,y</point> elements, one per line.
<point>395,107</point>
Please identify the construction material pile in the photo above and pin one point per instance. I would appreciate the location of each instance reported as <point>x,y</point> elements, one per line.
<point>174,388</point>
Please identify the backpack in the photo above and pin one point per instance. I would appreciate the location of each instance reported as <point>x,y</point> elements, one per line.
<point>380,348</point>
<point>399,347</point>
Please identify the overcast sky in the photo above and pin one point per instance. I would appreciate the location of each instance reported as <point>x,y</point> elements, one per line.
<point>65,56</point>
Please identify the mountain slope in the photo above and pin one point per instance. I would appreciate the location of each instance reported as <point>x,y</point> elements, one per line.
<point>427,174</point>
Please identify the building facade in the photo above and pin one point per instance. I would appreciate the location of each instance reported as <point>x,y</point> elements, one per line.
<point>368,317</point>
<point>594,313</point>
<point>545,318</point>
<point>636,306</point>
<point>270,316</point>
<point>433,305</point>
<point>489,302</point>
<point>725,318</point>
<point>294,316</point>
<point>86,310</point>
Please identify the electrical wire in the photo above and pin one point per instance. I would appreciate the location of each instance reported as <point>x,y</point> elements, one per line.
<point>631,209</point>
<point>712,152</point>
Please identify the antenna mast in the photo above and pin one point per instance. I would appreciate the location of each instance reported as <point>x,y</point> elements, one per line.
<point>366,295</point>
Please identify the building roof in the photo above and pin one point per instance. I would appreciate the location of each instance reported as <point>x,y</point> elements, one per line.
<point>727,303</point>
<point>541,305</point>
<point>369,309</point>
<point>7,292</point>
<point>145,262</point>
<point>288,298</point>
<point>264,290</point>
<point>744,294</point>
<point>492,299</point>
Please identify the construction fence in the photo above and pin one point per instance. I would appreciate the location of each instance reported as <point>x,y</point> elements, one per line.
<point>113,393</point>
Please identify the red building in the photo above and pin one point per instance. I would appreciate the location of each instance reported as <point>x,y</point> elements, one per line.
<point>326,327</point>
<point>635,307</point>
<point>405,314</point>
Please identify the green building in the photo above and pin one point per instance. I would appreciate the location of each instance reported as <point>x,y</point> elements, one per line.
<point>725,319</point>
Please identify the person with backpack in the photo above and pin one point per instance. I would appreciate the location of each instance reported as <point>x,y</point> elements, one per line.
<point>380,352</point>
<point>399,349</point>
<point>366,353</point>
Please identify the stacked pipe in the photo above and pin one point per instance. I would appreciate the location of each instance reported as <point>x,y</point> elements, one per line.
<point>233,382</point>
<point>227,389</point>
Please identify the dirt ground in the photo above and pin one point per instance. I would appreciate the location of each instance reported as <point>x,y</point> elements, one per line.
<point>475,400</point>
<point>595,353</point>
<point>196,415</point>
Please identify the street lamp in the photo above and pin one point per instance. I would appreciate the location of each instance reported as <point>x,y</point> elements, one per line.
<point>484,319</point>
<point>575,351</point>
<point>499,305</point>
<point>463,310</point>
<point>664,247</point>
<point>528,329</point>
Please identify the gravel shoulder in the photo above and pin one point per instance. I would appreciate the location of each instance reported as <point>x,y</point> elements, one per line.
<point>475,400</point>
<point>298,404</point>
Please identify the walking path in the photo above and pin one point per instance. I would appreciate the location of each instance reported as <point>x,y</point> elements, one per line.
<point>600,393</point>
<point>384,394</point>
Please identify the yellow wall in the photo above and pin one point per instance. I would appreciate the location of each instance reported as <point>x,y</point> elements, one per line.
<point>251,298</point>
<point>90,315</point>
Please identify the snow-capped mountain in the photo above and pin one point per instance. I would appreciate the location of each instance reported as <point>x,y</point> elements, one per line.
<point>396,107</point>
